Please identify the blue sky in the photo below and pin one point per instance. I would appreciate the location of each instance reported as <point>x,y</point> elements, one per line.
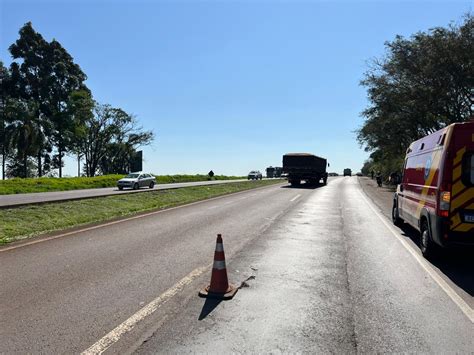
<point>230,85</point>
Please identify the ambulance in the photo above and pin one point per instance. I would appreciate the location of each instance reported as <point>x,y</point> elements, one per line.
<point>436,194</point>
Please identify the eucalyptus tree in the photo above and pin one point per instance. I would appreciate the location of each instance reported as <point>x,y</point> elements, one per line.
<point>66,77</point>
<point>31,72</point>
<point>80,107</point>
<point>47,75</point>
<point>4,99</point>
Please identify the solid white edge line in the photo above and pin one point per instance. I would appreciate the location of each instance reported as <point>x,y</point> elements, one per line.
<point>465,308</point>
<point>116,334</point>
<point>295,198</point>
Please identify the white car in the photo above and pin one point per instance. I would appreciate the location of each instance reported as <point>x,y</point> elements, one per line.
<point>136,180</point>
<point>254,175</point>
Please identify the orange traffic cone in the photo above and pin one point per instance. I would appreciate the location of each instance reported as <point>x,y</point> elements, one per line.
<point>219,287</point>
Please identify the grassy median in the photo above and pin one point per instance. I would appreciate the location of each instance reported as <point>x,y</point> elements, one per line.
<point>45,184</point>
<point>29,221</point>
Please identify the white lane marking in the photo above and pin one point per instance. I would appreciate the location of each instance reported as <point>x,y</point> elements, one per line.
<point>465,308</point>
<point>127,219</point>
<point>295,198</point>
<point>114,336</point>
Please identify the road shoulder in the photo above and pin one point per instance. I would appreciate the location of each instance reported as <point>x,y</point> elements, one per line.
<point>454,266</point>
<point>382,197</point>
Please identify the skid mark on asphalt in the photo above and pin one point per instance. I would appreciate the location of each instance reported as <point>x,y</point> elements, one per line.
<point>463,306</point>
<point>116,334</point>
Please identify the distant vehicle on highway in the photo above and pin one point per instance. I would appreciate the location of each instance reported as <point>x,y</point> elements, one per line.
<point>254,175</point>
<point>436,195</point>
<point>304,166</point>
<point>270,172</point>
<point>347,172</point>
<point>333,174</point>
<point>359,174</point>
<point>136,180</point>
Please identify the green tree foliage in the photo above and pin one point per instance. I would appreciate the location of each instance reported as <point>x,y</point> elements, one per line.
<point>30,75</point>
<point>19,137</point>
<point>424,83</point>
<point>5,80</point>
<point>66,77</point>
<point>46,111</point>
<point>48,75</point>
<point>80,108</point>
<point>23,132</point>
<point>111,136</point>
<point>121,151</point>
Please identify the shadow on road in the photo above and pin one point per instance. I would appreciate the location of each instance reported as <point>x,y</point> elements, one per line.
<point>208,307</point>
<point>456,263</point>
<point>304,186</point>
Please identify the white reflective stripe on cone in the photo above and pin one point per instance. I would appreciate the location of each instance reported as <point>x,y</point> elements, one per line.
<point>219,265</point>
<point>219,247</point>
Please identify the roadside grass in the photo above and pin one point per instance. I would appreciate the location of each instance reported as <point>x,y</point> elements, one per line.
<point>44,184</point>
<point>29,221</point>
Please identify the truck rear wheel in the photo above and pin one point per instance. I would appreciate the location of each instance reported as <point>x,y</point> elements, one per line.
<point>295,182</point>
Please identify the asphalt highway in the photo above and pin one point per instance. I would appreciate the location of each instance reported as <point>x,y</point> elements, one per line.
<point>42,197</point>
<point>320,271</point>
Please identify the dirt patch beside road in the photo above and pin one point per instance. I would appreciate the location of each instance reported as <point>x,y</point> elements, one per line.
<point>381,196</point>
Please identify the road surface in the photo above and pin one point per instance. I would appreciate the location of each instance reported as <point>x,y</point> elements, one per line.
<point>321,270</point>
<point>42,197</point>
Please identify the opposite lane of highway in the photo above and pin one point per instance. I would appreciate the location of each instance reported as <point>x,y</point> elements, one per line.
<point>16,200</point>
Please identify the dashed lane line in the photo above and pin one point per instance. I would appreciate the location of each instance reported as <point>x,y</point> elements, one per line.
<point>116,334</point>
<point>295,198</point>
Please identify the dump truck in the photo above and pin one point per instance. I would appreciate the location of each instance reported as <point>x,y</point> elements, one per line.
<point>304,167</point>
<point>274,172</point>
<point>270,172</point>
<point>278,171</point>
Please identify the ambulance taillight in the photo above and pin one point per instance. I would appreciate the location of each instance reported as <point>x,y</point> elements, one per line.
<point>444,203</point>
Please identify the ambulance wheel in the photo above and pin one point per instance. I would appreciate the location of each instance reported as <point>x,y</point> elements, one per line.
<point>396,215</point>
<point>427,246</point>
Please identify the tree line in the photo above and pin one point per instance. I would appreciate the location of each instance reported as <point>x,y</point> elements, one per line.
<point>420,85</point>
<point>47,111</point>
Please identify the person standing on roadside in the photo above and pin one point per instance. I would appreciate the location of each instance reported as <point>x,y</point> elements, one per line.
<point>372,173</point>
<point>379,178</point>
